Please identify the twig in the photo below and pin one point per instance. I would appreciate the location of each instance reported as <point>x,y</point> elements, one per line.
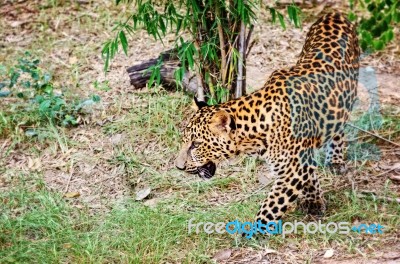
<point>364,194</point>
<point>12,2</point>
<point>3,147</point>
<point>256,191</point>
<point>250,48</point>
<point>372,134</point>
<point>231,50</point>
<point>384,134</point>
<point>383,173</point>
<point>71,172</point>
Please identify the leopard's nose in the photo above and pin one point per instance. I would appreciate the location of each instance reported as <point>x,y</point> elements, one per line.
<point>180,164</point>
<point>180,167</point>
<point>180,161</point>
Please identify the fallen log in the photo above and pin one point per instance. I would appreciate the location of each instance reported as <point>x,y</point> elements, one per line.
<point>140,74</point>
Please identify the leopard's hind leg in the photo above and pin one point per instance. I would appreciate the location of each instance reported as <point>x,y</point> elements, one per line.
<point>335,149</point>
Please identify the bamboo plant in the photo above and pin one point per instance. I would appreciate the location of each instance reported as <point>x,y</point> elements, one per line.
<point>212,39</point>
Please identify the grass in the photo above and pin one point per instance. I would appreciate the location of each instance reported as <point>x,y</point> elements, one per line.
<point>38,224</point>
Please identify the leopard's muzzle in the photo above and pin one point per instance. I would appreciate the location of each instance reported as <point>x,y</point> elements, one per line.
<point>207,170</point>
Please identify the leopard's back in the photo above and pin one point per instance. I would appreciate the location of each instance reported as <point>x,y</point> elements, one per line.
<point>322,86</point>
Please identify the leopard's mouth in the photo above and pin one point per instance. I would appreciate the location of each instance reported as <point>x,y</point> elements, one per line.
<point>207,170</point>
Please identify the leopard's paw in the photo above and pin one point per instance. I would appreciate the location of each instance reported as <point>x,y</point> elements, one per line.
<point>315,208</point>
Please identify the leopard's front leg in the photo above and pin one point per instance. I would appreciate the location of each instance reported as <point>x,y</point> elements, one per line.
<point>291,178</point>
<point>311,201</point>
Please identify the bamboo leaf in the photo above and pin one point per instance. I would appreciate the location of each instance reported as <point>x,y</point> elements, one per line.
<point>273,15</point>
<point>378,44</point>
<point>293,15</point>
<point>281,21</point>
<point>189,56</point>
<point>124,42</point>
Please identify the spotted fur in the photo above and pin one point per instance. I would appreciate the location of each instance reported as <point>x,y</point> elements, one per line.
<point>297,111</point>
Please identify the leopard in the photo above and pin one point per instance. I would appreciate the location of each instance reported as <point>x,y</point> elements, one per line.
<point>299,110</point>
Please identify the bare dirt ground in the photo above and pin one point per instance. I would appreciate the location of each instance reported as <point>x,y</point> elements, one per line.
<point>84,166</point>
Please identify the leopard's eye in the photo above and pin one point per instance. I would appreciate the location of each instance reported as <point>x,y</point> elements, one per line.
<point>195,144</point>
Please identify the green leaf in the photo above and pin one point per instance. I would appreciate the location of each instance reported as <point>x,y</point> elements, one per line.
<point>96,98</point>
<point>352,17</point>
<point>69,120</point>
<point>212,101</point>
<point>378,44</point>
<point>35,75</point>
<point>366,35</point>
<point>124,42</point>
<point>178,26</point>
<point>14,79</point>
<point>155,73</point>
<point>48,89</point>
<point>389,2</point>
<point>179,73</point>
<point>26,84</point>
<point>389,35</point>
<point>59,102</point>
<point>364,45</point>
<point>273,15</point>
<point>396,17</point>
<point>162,26</point>
<point>38,99</point>
<point>351,2</point>
<point>281,21</point>
<point>44,106</point>
<point>189,56</point>
<point>381,5</point>
<point>371,7</point>
<point>293,15</point>
<point>105,52</point>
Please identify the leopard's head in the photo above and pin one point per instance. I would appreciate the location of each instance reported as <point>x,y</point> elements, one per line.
<point>207,140</point>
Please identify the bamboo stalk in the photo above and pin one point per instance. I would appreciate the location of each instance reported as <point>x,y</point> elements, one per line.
<point>241,76</point>
<point>221,45</point>
<point>200,87</point>
<point>223,53</point>
<point>247,48</point>
<point>196,34</point>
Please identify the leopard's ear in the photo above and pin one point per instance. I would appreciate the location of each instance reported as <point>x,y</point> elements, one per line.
<point>221,122</point>
<point>198,104</point>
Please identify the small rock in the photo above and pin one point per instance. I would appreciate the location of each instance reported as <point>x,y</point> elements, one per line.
<point>72,195</point>
<point>151,203</point>
<point>269,251</point>
<point>116,139</point>
<point>329,253</point>
<point>395,178</point>
<point>141,194</point>
<point>222,255</point>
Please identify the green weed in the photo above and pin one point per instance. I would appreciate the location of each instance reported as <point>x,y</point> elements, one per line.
<point>41,102</point>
